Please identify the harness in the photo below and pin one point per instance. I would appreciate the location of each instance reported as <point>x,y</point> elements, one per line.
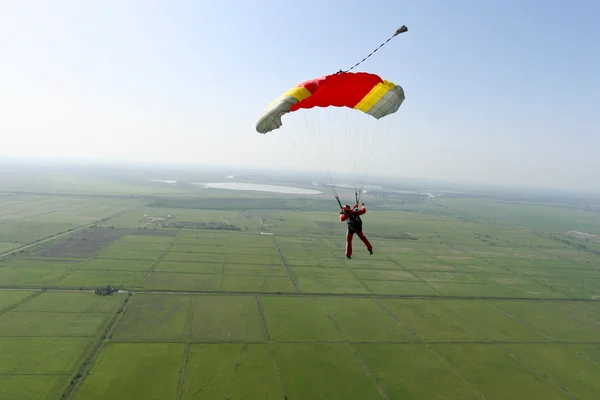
<point>354,221</point>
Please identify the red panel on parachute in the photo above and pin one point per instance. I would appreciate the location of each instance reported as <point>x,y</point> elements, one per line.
<point>344,89</point>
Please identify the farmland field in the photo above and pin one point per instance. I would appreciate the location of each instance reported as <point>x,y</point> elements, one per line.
<point>463,298</point>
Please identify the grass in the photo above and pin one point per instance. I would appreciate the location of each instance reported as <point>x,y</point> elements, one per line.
<point>286,319</point>
<point>476,363</point>
<point>134,370</point>
<point>8,298</point>
<point>32,324</point>
<point>226,318</point>
<point>85,303</point>
<point>407,372</point>
<point>319,370</point>
<point>231,371</point>
<point>369,327</point>
<point>154,317</point>
<point>41,355</point>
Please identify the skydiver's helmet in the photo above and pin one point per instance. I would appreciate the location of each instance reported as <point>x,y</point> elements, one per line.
<point>346,207</point>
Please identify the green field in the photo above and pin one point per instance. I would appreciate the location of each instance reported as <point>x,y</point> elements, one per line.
<point>464,298</point>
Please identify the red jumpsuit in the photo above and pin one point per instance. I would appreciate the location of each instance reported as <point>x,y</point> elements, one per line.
<point>354,226</point>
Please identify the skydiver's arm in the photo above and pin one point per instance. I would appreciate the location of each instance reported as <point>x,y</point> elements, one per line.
<point>363,210</point>
<point>344,216</point>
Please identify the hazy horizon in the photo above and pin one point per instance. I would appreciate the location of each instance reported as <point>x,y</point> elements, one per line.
<point>495,93</point>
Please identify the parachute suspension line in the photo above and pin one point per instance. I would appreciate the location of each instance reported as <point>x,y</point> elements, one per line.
<point>400,30</point>
<point>321,149</point>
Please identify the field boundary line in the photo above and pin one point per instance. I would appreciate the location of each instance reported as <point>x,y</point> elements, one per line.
<point>88,361</point>
<point>539,373</point>
<point>451,368</point>
<point>139,289</point>
<point>267,336</point>
<point>367,370</point>
<point>290,274</point>
<point>60,234</point>
<point>162,256</point>
<point>428,347</point>
<point>398,320</point>
<point>22,301</point>
<point>188,345</point>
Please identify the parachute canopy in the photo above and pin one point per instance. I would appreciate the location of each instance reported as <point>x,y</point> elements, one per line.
<point>357,90</point>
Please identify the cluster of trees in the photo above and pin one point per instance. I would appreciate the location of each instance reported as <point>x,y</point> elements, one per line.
<point>200,225</point>
<point>106,291</point>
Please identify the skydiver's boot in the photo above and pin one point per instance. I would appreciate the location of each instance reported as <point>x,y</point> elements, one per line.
<point>371,251</point>
<point>348,258</point>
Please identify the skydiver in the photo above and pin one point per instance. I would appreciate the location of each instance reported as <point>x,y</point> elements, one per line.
<point>352,216</point>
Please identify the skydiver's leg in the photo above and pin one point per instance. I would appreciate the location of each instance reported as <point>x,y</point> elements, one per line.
<point>349,244</point>
<point>365,241</point>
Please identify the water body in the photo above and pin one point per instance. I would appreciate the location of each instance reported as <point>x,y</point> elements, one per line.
<point>163,181</point>
<point>257,187</point>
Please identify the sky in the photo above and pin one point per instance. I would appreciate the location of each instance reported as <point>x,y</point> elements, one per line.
<point>499,92</point>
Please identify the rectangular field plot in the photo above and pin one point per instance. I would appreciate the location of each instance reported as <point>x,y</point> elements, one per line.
<point>197,248</point>
<point>432,320</point>
<point>287,319</point>
<point>330,285</point>
<point>253,250</point>
<point>255,283</point>
<point>322,273</point>
<point>384,274</point>
<point>95,279</point>
<point>422,266</point>
<point>32,324</point>
<point>589,351</point>
<point>528,291</point>
<point>42,263</point>
<point>189,267</point>
<point>128,245</point>
<point>134,371</point>
<point>274,259</point>
<point>467,289</point>
<point>323,371</point>
<point>69,302</point>
<point>512,380</point>
<point>311,262</point>
<point>10,297</point>
<point>578,375</point>
<point>558,323</point>
<point>406,371</point>
<point>194,257</point>
<point>14,276</point>
<point>364,320</point>
<point>83,244</point>
<point>373,264</point>
<point>180,281</point>
<point>47,355</point>
<point>137,239</point>
<point>18,387</point>
<point>154,317</point>
<point>226,318</point>
<point>117,265</point>
<point>253,269</point>
<point>231,371</point>
<point>129,254</point>
<point>401,288</point>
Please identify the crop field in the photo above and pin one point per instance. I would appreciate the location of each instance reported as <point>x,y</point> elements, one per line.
<point>27,218</point>
<point>465,299</point>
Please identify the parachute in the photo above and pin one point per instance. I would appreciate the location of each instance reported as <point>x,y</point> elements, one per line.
<point>342,113</point>
<point>360,91</point>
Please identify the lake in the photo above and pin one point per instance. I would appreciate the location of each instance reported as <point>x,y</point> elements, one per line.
<point>257,187</point>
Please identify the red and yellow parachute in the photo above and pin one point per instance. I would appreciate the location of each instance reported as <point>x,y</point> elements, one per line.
<point>364,98</point>
<point>356,90</point>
